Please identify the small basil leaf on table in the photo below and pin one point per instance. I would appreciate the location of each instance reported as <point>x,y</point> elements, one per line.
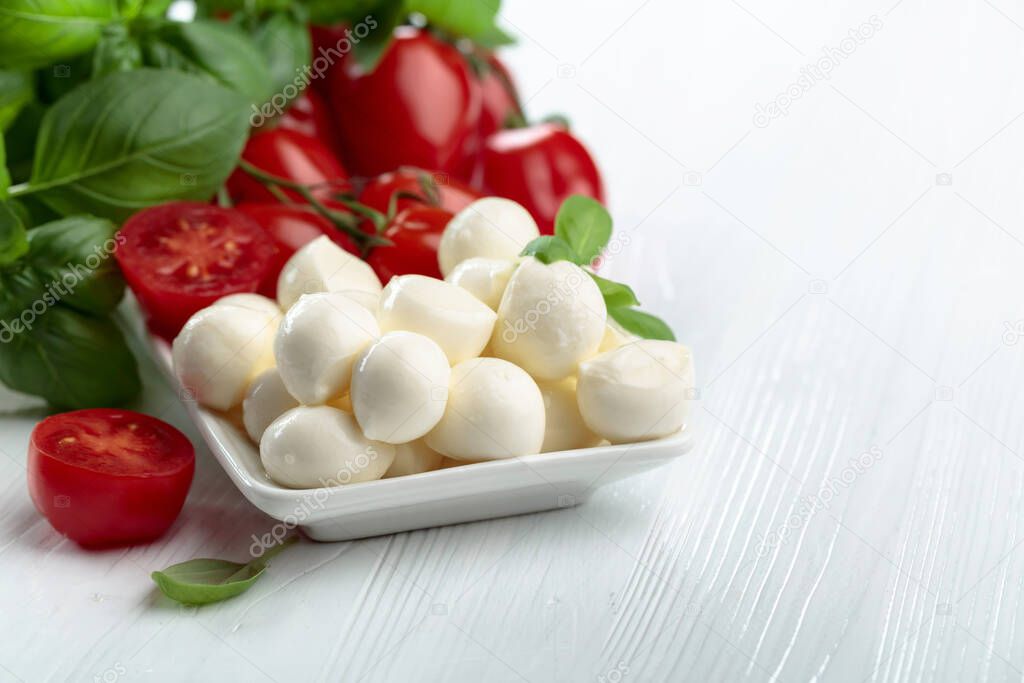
<point>550,248</point>
<point>616,294</point>
<point>13,241</point>
<point>132,139</point>
<point>34,33</point>
<point>585,225</point>
<point>78,252</point>
<point>203,581</point>
<point>72,359</point>
<point>642,324</point>
<point>15,92</point>
<point>286,47</point>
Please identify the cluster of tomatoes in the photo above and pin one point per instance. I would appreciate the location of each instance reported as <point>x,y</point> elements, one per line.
<point>411,143</point>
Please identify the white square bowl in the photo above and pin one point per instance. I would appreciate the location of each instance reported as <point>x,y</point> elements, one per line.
<point>453,495</point>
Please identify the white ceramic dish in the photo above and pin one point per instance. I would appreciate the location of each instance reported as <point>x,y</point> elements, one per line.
<point>449,496</point>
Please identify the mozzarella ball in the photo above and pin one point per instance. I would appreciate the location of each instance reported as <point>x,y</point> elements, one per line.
<point>266,400</point>
<point>484,278</point>
<point>323,266</point>
<point>564,428</point>
<point>315,446</point>
<point>412,458</point>
<point>491,227</point>
<point>254,302</point>
<point>368,300</point>
<point>317,343</point>
<point>218,352</point>
<point>451,316</point>
<point>551,317</point>
<point>637,392</point>
<point>614,337</point>
<point>399,387</point>
<point>495,410</point>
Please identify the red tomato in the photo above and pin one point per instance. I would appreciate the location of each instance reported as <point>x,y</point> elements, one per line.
<point>310,115</point>
<point>291,226</point>
<point>106,477</point>
<point>329,44</point>
<point>539,167</point>
<point>290,155</point>
<point>500,100</point>
<point>452,195</point>
<point>415,234</point>
<point>182,256</point>
<point>419,107</point>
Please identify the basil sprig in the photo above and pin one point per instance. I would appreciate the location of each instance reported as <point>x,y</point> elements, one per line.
<point>582,230</point>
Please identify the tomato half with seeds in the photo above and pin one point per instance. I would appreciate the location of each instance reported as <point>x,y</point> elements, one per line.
<point>450,194</point>
<point>415,234</point>
<point>291,226</point>
<point>105,477</point>
<point>182,256</point>
<point>539,167</point>
<point>290,155</point>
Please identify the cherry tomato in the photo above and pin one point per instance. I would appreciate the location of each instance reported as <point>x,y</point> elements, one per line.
<point>182,256</point>
<point>539,167</point>
<point>310,115</point>
<point>328,46</point>
<point>415,233</point>
<point>290,155</point>
<point>500,100</point>
<point>419,107</point>
<point>452,195</point>
<point>106,477</point>
<point>291,226</point>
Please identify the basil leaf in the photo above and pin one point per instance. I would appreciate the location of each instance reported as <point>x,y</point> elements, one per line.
<point>202,581</point>
<point>5,176</point>
<point>388,15</point>
<point>469,19</point>
<point>13,241</point>
<point>15,92</point>
<point>585,225</point>
<point>616,294</point>
<point>286,47</point>
<point>137,138</point>
<point>213,48</point>
<point>550,248</point>
<point>72,359</point>
<point>211,7</point>
<point>37,32</point>
<point>116,51</point>
<point>20,141</point>
<point>78,253</point>
<point>328,12</point>
<point>642,324</point>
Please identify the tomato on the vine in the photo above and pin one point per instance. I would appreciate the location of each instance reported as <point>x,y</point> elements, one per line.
<point>415,234</point>
<point>539,167</point>
<point>105,477</point>
<point>182,256</point>
<point>290,155</point>
<point>291,226</point>
<point>309,114</point>
<point>450,194</point>
<point>419,107</point>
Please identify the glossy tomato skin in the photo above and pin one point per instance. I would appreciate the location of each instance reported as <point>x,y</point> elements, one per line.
<point>291,226</point>
<point>539,167</point>
<point>419,107</point>
<point>291,155</point>
<point>453,195</point>
<point>310,115</point>
<point>105,477</point>
<point>180,257</point>
<point>415,233</point>
<point>499,100</point>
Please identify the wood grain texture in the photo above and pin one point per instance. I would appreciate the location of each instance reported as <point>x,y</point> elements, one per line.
<point>849,277</point>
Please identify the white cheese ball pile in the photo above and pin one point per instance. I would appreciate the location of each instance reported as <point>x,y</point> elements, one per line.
<point>343,380</point>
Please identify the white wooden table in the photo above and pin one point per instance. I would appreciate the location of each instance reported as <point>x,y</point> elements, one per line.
<point>850,276</point>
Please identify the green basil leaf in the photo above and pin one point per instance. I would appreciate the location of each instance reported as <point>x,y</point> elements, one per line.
<point>616,294</point>
<point>202,581</point>
<point>213,48</point>
<point>388,14</point>
<point>15,92</point>
<point>116,51</point>
<point>585,225</point>
<point>5,176</point>
<point>286,47</point>
<point>211,7</point>
<point>71,359</point>
<point>550,248</point>
<point>132,139</point>
<point>57,80</point>
<point>78,253</point>
<point>328,12</point>
<point>642,324</point>
<point>469,19</point>
<point>154,8</point>
<point>37,32</point>
<point>13,240</point>
<point>493,38</point>
<point>20,141</point>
